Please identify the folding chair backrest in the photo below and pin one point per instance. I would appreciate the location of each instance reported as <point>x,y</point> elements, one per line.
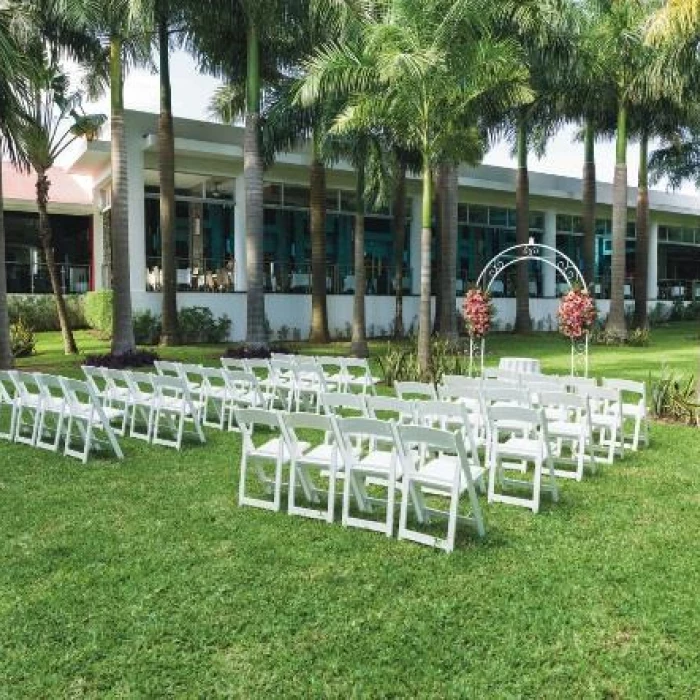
<point>193,372</point>
<point>139,383</point>
<point>172,387</point>
<point>234,363</point>
<point>330,364</point>
<point>415,441</point>
<point>628,386</point>
<point>356,367</point>
<point>351,431</point>
<point>165,368</point>
<point>506,394</point>
<point>284,356</point>
<point>531,420</point>
<point>251,417</point>
<point>79,394</point>
<point>564,406</point>
<point>603,399</point>
<point>415,390</point>
<point>580,384</point>
<point>390,408</point>
<point>95,377</point>
<point>502,375</point>
<point>455,383</point>
<point>50,386</point>
<point>7,387</point>
<point>212,377</point>
<point>335,402</point>
<point>25,384</point>
<point>442,413</point>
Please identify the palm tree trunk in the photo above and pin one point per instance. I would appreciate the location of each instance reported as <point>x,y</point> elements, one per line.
<point>253,174</point>
<point>642,243</point>
<point>46,238</point>
<point>358,346</point>
<point>122,328</point>
<point>616,318</point>
<point>319,307</point>
<point>166,158</point>
<point>424,358</point>
<point>448,252</point>
<point>589,204</point>
<point>6,360</point>
<point>399,245</point>
<point>522,232</point>
<point>440,199</point>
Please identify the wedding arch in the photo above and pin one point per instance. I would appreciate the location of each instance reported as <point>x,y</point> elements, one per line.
<point>565,268</point>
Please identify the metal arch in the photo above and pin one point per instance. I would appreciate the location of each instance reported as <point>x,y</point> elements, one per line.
<point>563,264</point>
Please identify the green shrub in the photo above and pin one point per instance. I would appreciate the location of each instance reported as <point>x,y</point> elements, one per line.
<point>22,340</point>
<point>147,328</point>
<point>198,325</point>
<point>674,397</point>
<point>39,311</point>
<point>98,311</point>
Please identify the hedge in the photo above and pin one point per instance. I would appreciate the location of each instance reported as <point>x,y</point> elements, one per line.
<point>38,311</point>
<point>98,311</point>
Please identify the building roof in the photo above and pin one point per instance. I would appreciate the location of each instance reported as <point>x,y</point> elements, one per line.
<point>69,194</point>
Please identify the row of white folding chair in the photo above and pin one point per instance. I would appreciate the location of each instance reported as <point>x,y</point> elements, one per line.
<point>634,407</point>
<point>366,452</point>
<point>57,407</point>
<point>156,407</point>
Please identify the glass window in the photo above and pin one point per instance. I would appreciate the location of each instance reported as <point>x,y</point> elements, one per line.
<point>478,214</point>
<point>348,201</point>
<point>675,234</point>
<point>565,223</point>
<point>272,194</point>
<point>463,213</point>
<point>332,200</point>
<point>577,224</point>
<point>498,217</point>
<point>631,229</point>
<point>512,218</point>
<point>536,220</point>
<point>296,196</point>
<point>663,233</point>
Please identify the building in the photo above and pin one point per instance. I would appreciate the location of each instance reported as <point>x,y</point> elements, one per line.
<point>210,232</point>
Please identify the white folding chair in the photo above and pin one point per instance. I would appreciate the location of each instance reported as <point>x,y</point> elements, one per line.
<point>531,446</point>
<point>415,390</point>
<point>358,375</point>
<point>28,396</point>
<point>234,364</point>
<point>606,421</point>
<point>569,427</point>
<point>216,396</point>
<point>283,381</point>
<point>634,407</point>
<point>436,463</point>
<point>117,394</point>
<point>174,406</point>
<point>257,455</point>
<point>95,377</point>
<point>502,375</point>
<point>377,466</point>
<point>142,403</point>
<point>322,457</point>
<point>85,412</point>
<point>333,371</point>
<point>52,411</point>
<point>9,399</point>
<point>175,369</point>
<point>390,408</point>
<point>246,392</point>
<point>309,384</point>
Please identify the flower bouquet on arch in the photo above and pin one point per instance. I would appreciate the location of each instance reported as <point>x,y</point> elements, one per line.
<point>577,313</point>
<point>478,312</point>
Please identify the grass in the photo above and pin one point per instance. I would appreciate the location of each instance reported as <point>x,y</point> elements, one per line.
<point>145,579</point>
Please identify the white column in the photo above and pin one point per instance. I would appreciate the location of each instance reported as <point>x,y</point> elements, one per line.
<point>239,254</point>
<point>137,210</point>
<point>653,262</point>
<point>414,244</point>
<point>549,274</point>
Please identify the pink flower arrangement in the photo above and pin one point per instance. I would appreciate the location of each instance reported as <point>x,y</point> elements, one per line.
<point>478,312</point>
<point>577,314</point>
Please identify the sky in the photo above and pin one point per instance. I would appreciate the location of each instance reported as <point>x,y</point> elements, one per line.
<point>191,93</point>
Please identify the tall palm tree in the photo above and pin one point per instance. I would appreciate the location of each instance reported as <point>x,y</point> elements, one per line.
<point>247,39</point>
<point>44,137</point>
<point>13,71</point>
<point>423,68</point>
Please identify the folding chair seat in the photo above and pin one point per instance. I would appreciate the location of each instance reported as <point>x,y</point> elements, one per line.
<point>8,398</point>
<point>273,452</point>
<point>606,421</point>
<point>28,396</point>
<point>532,446</point>
<point>634,407</point>
<point>358,375</point>
<point>415,390</point>
<point>322,457</point>
<point>85,412</point>
<point>569,426</point>
<point>436,463</point>
<point>174,407</point>
<point>142,402</point>
<point>377,466</point>
<point>52,412</point>
<point>333,371</point>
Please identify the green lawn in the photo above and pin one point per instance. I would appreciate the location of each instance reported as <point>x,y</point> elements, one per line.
<point>145,579</point>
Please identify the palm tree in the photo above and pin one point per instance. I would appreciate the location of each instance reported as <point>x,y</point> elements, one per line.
<point>422,68</point>
<point>13,69</point>
<point>259,36</point>
<point>43,139</point>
